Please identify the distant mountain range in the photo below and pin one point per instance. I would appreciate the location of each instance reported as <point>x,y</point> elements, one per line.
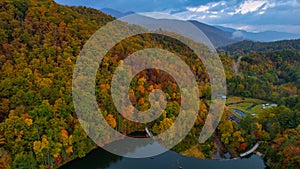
<point>249,46</point>
<point>266,36</point>
<point>217,36</point>
<point>223,36</point>
<point>115,13</point>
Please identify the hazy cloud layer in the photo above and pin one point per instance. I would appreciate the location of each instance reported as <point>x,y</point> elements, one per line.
<point>250,15</point>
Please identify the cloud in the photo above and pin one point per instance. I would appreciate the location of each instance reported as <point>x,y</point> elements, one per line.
<point>206,8</point>
<point>254,15</point>
<point>253,5</point>
<point>233,7</point>
<point>260,28</point>
<point>237,35</point>
<point>202,8</point>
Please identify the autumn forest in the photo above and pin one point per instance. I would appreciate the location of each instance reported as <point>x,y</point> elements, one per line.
<point>39,44</point>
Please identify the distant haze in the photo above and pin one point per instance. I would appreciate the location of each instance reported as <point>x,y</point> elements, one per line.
<point>247,15</point>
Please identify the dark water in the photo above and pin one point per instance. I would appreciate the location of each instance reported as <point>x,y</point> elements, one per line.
<point>101,159</point>
<point>249,108</point>
<point>241,113</point>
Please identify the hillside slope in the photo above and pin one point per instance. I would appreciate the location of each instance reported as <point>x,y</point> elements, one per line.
<point>250,46</point>
<point>217,36</point>
<point>39,42</point>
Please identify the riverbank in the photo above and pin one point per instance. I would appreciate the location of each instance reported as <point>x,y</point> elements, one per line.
<point>220,152</point>
<point>101,159</point>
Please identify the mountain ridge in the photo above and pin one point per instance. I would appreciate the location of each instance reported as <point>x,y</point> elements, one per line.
<point>247,46</point>
<point>264,36</point>
<point>223,36</point>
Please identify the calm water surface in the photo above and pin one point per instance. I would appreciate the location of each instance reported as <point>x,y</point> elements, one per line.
<point>101,159</point>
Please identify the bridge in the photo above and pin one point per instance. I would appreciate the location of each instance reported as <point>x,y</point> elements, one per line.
<point>138,134</point>
<point>250,151</point>
<point>148,132</point>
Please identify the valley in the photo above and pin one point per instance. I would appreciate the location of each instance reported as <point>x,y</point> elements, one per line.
<point>39,127</point>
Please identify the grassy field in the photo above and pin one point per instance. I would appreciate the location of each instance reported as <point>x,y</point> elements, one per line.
<point>242,104</point>
<point>194,151</point>
<point>235,99</point>
<point>257,109</point>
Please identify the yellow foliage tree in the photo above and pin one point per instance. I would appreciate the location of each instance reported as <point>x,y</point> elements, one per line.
<point>111,120</point>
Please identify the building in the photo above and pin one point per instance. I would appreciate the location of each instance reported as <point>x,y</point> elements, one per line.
<point>267,105</point>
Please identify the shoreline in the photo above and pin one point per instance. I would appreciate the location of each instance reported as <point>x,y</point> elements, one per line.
<point>220,151</point>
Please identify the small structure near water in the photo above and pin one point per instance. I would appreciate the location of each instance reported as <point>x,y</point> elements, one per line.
<point>265,106</point>
<point>148,132</point>
<point>222,96</point>
<point>250,151</point>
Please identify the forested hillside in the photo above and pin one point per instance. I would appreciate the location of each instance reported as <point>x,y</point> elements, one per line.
<point>271,74</point>
<point>249,46</point>
<point>40,41</point>
<point>39,44</point>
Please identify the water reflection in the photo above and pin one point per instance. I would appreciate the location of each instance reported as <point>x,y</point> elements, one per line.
<point>101,159</point>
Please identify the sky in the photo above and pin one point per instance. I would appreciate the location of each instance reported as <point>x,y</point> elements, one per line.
<point>249,15</point>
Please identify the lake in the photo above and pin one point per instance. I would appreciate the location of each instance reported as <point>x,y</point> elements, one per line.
<point>241,113</point>
<point>101,159</point>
